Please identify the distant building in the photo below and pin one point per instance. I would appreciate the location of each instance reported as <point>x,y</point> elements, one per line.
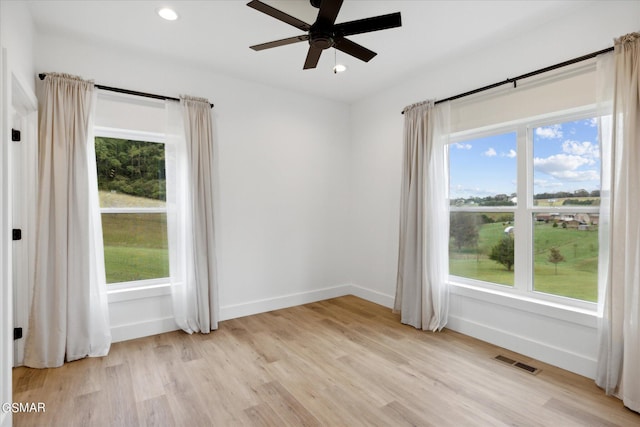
<point>543,217</point>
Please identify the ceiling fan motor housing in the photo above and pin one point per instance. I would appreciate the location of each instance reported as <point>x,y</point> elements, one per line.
<point>321,39</point>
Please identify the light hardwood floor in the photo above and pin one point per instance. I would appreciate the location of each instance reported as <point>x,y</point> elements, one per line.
<point>340,362</point>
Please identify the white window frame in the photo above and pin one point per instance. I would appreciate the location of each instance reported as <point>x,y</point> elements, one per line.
<point>134,135</point>
<point>523,211</point>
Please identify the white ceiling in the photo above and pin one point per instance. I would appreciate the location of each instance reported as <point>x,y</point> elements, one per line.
<point>216,34</point>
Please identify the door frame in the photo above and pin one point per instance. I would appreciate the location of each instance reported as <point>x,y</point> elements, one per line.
<point>24,186</point>
<point>18,167</point>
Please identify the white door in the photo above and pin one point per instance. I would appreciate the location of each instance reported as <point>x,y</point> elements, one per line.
<point>6,300</point>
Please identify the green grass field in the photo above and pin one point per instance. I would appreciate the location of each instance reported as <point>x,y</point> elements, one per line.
<point>135,245</point>
<point>576,277</point>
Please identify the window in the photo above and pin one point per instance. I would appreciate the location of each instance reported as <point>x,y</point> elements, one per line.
<point>131,184</point>
<point>482,192</point>
<point>524,202</point>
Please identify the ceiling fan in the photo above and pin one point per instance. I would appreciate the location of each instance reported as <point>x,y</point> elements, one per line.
<point>325,33</point>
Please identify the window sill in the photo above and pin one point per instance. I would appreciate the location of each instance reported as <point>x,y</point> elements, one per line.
<point>141,292</point>
<point>565,313</point>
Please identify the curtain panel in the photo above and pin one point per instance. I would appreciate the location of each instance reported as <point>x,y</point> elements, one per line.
<point>190,214</point>
<point>619,270</point>
<point>422,294</point>
<point>69,316</point>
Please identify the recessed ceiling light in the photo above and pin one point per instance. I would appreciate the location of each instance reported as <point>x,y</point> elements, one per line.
<point>339,68</point>
<point>168,14</point>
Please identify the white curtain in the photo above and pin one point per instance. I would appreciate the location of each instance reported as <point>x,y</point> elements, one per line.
<point>190,183</point>
<point>422,294</point>
<point>619,270</point>
<point>69,316</point>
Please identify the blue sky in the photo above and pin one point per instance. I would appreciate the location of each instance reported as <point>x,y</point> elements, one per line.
<point>566,158</point>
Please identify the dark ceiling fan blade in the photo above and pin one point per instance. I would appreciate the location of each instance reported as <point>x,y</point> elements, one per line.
<point>313,56</point>
<point>272,11</point>
<point>354,49</point>
<point>282,42</point>
<point>367,25</point>
<point>329,10</point>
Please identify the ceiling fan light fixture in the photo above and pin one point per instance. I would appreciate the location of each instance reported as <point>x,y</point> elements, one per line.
<point>339,68</point>
<point>167,13</point>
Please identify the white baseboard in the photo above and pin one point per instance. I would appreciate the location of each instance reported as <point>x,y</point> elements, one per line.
<point>143,329</point>
<point>276,303</point>
<point>149,327</point>
<point>544,352</point>
<point>372,296</point>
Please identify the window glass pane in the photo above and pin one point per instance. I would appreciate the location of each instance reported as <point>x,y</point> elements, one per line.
<point>566,164</point>
<point>482,171</point>
<point>135,246</point>
<point>130,173</point>
<point>566,254</point>
<point>481,246</point>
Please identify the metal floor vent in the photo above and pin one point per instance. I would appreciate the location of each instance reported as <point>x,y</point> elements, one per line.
<point>530,369</point>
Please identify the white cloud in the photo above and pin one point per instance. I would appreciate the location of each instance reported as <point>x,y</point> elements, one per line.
<point>511,154</point>
<point>588,175</point>
<point>462,146</point>
<point>549,132</point>
<point>543,183</point>
<point>592,122</point>
<point>586,148</point>
<point>465,192</point>
<point>490,152</point>
<point>565,167</point>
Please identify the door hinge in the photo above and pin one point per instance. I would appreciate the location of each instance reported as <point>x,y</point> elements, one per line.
<point>15,135</point>
<point>17,333</point>
<point>17,234</point>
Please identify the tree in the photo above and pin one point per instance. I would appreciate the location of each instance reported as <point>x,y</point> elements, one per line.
<point>555,257</point>
<point>503,252</point>
<point>131,167</point>
<point>464,229</point>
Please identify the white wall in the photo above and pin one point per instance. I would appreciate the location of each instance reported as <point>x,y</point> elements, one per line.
<point>17,36</point>
<point>283,183</point>
<point>377,150</point>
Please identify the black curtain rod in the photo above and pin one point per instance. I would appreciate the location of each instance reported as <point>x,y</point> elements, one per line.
<point>514,80</point>
<point>129,92</point>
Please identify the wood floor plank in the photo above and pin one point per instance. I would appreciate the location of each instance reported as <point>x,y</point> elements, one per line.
<point>155,412</point>
<point>263,415</point>
<point>403,416</point>
<point>339,362</point>
<point>28,379</point>
<point>88,409</point>
<point>286,405</point>
<point>120,394</point>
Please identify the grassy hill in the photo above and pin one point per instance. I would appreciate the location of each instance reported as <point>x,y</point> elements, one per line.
<point>135,245</point>
<point>119,200</point>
